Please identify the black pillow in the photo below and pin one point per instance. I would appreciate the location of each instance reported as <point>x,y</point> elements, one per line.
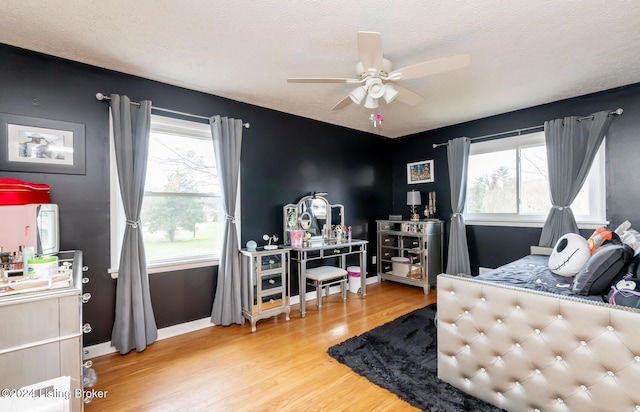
<point>596,275</point>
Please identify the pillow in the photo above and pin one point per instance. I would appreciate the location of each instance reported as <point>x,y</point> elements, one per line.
<point>631,237</point>
<point>624,226</point>
<point>631,269</point>
<point>601,269</point>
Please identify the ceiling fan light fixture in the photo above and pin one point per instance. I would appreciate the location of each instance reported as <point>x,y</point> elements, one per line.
<point>390,93</point>
<point>375,88</point>
<point>370,102</point>
<point>375,75</point>
<point>358,94</point>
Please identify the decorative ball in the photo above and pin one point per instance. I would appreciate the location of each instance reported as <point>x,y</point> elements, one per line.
<point>569,255</point>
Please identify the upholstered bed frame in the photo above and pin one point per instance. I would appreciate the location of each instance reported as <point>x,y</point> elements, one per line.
<point>523,350</point>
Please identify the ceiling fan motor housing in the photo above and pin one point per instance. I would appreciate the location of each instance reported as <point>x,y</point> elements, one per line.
<point>371,71</point>
<point>375,87</point>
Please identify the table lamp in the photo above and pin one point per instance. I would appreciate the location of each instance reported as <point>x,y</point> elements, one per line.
<point>413,200</point>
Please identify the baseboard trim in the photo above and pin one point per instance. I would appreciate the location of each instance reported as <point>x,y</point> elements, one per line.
<point>105,348</point>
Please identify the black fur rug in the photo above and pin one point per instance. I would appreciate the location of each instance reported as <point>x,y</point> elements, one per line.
<point>401,356</point>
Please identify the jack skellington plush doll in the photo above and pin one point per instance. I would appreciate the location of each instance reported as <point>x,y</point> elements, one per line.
<point>569,255</point>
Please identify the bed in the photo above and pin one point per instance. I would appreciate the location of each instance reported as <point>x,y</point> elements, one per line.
<point>538,349</point>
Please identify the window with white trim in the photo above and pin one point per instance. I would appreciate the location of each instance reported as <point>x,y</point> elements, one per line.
<point>507,184</point>
<point>182,217</point>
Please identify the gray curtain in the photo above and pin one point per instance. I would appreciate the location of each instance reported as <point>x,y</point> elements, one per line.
<point>571,147</point>
<point>458,159</point>
<point>227,142</point>
<point>134,325</point>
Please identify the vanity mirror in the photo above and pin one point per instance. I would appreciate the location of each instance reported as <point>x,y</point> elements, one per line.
<point>311,214</point>
<point>305,221</point>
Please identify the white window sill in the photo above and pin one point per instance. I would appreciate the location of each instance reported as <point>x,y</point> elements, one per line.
<point>530,223</point>
<point>165,267</point>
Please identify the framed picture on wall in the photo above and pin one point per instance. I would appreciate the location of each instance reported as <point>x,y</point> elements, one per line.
<point>420,172</point>
<point>30,144</point>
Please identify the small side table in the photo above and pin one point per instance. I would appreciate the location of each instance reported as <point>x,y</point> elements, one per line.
<point>265,283</point>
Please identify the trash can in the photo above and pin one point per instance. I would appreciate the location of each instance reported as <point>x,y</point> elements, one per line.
<point>354,279</point>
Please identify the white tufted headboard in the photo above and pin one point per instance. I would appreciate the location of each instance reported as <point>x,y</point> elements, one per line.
<point>532,351</point>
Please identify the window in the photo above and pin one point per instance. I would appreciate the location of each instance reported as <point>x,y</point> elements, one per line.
<point>507,184</point>
<point>181,217</point>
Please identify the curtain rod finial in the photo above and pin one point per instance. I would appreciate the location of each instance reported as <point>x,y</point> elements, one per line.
<point>100,96</point>
<point>619,111</point>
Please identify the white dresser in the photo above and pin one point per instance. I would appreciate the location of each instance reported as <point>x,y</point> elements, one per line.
<point>41,335</point>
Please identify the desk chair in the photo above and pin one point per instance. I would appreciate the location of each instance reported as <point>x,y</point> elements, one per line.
<point>324,277</point>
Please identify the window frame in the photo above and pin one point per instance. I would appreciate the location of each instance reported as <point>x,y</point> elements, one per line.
<point>596,179</point>
<point>164,124</point>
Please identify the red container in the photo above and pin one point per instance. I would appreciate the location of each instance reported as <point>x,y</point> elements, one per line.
<point>20,192</point>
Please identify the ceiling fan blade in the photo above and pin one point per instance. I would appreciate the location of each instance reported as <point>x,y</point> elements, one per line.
<point>431,67</point>
<point>342,103</point>
<point>321,80</point>
<point>407,96</point>
<point>370,51</point>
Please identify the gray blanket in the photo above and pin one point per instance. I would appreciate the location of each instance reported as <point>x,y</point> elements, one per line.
<point>532,272</point>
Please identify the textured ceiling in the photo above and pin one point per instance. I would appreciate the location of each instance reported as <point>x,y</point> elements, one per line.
<point>523,52</point>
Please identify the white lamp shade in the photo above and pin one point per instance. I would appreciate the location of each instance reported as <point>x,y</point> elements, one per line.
<point>390,93</point>
<point>413,198</point>
<point>358,94</point>
<point>370,102</point>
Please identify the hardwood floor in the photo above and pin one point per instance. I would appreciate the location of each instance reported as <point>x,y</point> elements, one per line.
<point>283,366</point>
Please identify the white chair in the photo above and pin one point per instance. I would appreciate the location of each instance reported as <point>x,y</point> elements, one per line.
<point>324,277</point>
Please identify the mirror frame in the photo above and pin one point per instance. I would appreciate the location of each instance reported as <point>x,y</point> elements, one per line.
<point>301,208</point>
<point>304,221</point>
<point>290,218</point>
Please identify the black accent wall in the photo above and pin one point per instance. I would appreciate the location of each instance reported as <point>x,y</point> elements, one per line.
<point>491,246</point>
<point>283,157</point>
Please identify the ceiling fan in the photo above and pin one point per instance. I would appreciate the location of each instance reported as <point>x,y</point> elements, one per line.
<point>376,79</point>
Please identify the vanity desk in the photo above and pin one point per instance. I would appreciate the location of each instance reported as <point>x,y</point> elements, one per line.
<point>314,216</point>
<point>328,248</point>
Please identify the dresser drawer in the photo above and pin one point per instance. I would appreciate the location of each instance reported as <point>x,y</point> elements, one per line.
<point>388,240</point>
<point>40,362</point>
<point>271,281</point>
<point>385,267</point>
<point>336,250</point>
<point>270,262</point>
<point>392,226</point>
<point>386,253</point>
<point>27,322</point>
<point>272,301</point>
<point>410,242</point>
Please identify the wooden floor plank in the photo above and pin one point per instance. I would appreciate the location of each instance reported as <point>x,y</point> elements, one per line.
<point>283,366</point>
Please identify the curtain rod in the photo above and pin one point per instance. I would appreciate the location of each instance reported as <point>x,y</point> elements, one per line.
<point>101,96</point>
<point>617,111</point>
